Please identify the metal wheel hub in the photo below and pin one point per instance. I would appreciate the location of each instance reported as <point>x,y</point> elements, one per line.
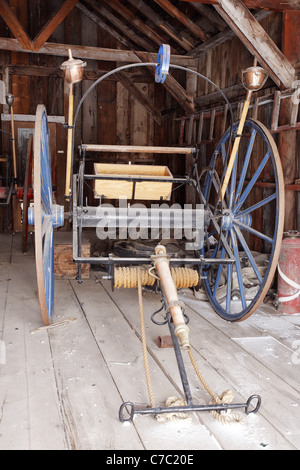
<point>230,218</point>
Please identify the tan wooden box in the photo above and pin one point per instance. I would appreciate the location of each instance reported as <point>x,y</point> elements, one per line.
<point>145,190</point>
<point>64,267</point>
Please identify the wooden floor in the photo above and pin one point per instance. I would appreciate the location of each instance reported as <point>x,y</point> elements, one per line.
<point>61,387</point>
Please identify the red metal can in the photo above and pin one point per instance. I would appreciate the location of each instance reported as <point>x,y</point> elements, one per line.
<point>289,274</point>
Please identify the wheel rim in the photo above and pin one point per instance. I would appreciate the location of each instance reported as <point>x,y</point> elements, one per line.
<point>234,226</point>
<point>26,201</point>
<point>44,246</point>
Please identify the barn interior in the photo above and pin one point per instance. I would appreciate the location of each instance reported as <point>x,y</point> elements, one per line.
<point>63,381</point>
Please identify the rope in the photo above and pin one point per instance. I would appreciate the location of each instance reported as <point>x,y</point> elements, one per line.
<point>139,275</point>
<point>171,401</point>
<point>128,277</point>
<point>184,277</point>
<point>144,344</point>
<point>225,398</point>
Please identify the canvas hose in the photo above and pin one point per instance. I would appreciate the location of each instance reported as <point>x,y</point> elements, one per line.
<point>225,398</point>
<point>128,277</point>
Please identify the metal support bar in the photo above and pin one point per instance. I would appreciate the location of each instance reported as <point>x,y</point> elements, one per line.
<point>251,406</point>
<point>140,179</point>
<point>107,260</point>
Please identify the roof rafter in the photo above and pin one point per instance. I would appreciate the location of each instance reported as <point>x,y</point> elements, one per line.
<point>21,35</point>
<point>257,41</point>
<point>273,5</point>
<point>173,11</point>
<point>102,13</point>
<point>129,16</point>
<point>161,23</point>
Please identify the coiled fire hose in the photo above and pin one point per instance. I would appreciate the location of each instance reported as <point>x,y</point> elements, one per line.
<point>137,277</point>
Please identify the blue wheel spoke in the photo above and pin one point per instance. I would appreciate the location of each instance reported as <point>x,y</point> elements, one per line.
<point>238,268</point>
<point>262,203</point>
<point>220,269</point>
<point>239,213</point>
<point>254,232</point>
<point>252,181</point>
<point>248,253</point>
<point>229,288</point>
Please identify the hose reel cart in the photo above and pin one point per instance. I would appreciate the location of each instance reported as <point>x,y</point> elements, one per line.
<point>228,198</point>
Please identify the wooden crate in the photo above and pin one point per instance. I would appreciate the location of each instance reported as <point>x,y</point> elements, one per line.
<point>64,267</point>
<point>144,190</point>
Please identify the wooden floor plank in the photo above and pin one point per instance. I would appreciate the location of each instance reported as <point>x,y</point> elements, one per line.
<point>61,387</point>
<point>88,393</point>
<point>242,380</point>
<point>251,369</point>
<point>123,354</point>
<point>30,414</point>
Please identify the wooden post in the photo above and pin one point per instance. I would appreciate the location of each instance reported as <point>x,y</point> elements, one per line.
<point>287,141</point>
<point>70,139</point>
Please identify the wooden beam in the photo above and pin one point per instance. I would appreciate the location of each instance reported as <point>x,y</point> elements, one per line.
<point>134,21</point>
<point>164,25</point>
<point>95,53</point>
<point>210,15</point>
<point>223,36</point>
<point>255,38</point>
<point>135,75</point>
<point>105,26</point>
<point>288,143</point>
<point>273,5</point>
<point>20,34</point>
<point>173,11</point>
<point>174,88</point>
<point>15,26</point>
<point>53,23</point>
<point>120,25</point>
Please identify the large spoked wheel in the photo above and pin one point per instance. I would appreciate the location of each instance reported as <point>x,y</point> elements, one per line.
<point>246,225</point>
<point>47,215</point>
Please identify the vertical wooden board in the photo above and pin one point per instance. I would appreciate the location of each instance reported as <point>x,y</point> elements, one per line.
<point>89,114</point>
<point>89,107</point>
<point>106,93</point>
<point>123,116</point>
<point>140,119</point>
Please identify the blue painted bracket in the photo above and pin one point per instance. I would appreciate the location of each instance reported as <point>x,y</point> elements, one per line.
<point>163,62</point>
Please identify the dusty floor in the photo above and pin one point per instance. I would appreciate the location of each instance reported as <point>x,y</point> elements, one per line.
<point>61,387</point>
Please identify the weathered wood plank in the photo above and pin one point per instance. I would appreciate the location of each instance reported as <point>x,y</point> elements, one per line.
<point>30,417</point>
<point>141,97</point>
<point>53,23</point>
<point>121,347</point>
<point>254,37</point>
<point>209,345</point>
<point>96,53</point>
<point>187,22</point>
<point>14,25</point>
<point>273,5</point>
